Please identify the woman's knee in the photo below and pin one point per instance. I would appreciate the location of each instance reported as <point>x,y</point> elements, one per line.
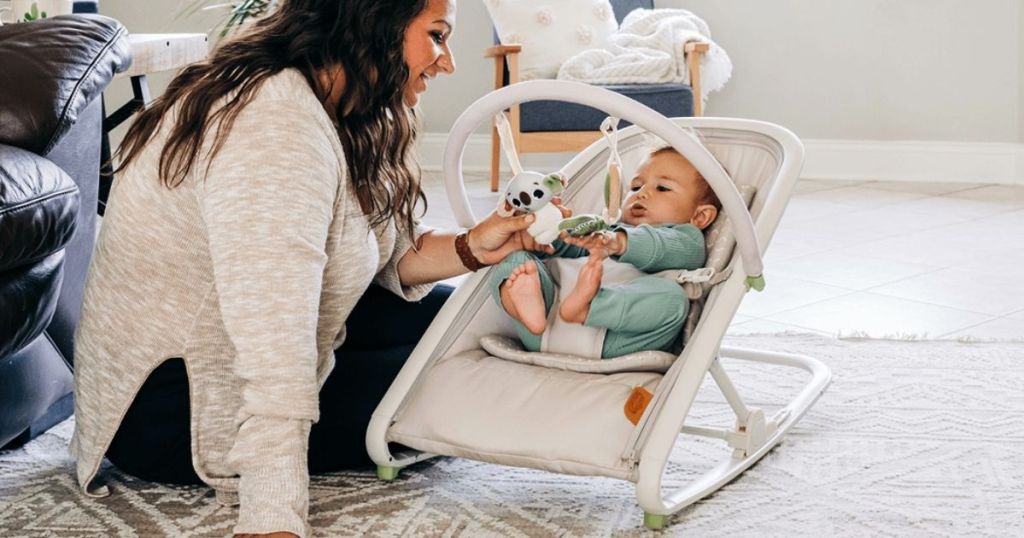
<point>372,323</point>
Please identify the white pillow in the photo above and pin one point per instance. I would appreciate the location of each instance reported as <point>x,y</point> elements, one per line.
<point>551,31</point>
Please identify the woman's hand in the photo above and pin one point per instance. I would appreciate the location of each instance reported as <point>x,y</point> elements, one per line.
<point>496,237</point>
<point>529,243</point>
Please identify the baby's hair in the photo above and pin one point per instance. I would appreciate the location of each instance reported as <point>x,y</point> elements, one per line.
<point>707,195</point>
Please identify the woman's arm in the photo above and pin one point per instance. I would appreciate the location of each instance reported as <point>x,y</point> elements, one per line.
<point>490,241</point>
<point>433,259</point>
<point>266,221</point>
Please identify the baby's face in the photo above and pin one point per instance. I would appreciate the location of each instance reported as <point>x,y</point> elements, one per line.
<point>666,190</point>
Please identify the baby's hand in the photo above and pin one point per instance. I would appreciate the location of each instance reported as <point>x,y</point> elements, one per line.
<point>599,253</point>
<point>613,243</point>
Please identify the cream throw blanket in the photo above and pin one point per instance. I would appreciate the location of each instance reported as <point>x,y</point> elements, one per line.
<point>648,49</point>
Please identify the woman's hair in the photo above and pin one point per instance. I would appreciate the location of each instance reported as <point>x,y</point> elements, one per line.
<point>364,38</point>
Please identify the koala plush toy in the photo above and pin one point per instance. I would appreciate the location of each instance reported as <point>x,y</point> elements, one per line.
<point>531,192</point>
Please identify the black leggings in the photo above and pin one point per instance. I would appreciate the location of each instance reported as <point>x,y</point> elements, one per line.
<point>154,440</point>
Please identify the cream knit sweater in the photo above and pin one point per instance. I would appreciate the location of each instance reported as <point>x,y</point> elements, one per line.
<point>248,274</point>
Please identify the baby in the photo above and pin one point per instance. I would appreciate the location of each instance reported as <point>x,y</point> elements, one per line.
<point>668,205</point>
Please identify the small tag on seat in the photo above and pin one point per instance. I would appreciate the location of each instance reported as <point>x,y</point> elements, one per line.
<point>636,403</point>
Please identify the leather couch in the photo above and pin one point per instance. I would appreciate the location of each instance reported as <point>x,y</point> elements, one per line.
<point>52,73</point>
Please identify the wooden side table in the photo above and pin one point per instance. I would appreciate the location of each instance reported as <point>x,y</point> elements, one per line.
<point>151,53</point>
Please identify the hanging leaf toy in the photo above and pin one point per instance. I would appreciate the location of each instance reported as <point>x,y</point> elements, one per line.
<point>583,225</point>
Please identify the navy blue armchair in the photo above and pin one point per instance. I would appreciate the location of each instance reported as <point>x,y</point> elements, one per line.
<point>554,126</point>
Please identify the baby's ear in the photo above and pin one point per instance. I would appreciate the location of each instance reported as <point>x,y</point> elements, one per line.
<point>703,216</point>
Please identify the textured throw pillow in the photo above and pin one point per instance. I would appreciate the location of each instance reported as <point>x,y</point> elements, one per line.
<point>551,31</point>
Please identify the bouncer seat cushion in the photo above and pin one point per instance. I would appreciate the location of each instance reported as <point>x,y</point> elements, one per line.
<point>490,409</point>
<point>510,349</point>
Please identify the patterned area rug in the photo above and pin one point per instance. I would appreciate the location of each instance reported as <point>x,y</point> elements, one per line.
<point>911,439</point>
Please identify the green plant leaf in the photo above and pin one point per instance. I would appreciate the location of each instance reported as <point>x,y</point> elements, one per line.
<point>237,12</point>
<point>192,8</point>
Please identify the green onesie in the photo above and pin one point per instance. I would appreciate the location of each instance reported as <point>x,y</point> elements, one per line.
<point>645,313</point>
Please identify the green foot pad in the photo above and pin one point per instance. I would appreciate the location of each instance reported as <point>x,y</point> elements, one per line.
<point>387,473</point>
<point>655,522</point>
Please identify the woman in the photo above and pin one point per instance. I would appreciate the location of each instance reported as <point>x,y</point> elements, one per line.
<point>258,200</point>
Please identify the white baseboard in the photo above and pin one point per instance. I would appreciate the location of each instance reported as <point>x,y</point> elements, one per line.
<point>945,162</point>
<point>961,162</point>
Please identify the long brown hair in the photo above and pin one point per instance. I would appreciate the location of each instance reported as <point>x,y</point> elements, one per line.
<point>364,38</point>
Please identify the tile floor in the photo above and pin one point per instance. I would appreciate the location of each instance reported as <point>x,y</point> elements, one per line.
<point>875,258</point>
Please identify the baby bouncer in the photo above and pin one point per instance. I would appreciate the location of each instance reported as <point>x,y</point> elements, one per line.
<point>467,390</point>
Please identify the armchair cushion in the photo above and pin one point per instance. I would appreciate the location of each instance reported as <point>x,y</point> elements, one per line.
<point>28,300</point>
<point>38,208</point>
<point>551,32</point>
<point>38,108</point>
<point>38,212</point>
<point>672,100</point>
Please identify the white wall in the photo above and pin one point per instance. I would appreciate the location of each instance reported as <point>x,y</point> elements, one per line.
<point>865,69</point>
<point>845,75</point>
<point>871,69</point>
<point>1020,70</point>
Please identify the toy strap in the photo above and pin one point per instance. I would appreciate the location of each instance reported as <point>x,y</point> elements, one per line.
<point>613,181</point>
<point>507,142</point>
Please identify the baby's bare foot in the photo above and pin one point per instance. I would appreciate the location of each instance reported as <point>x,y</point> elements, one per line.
<point>523,299</point>
<point>576,306</point>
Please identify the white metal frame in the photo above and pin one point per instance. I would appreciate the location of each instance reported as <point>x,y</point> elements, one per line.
<point>663,421</point>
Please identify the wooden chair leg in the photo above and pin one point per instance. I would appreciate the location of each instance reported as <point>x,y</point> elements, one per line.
<point>698,101</point>
<point>694,51</point>
<point>499,81</point>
